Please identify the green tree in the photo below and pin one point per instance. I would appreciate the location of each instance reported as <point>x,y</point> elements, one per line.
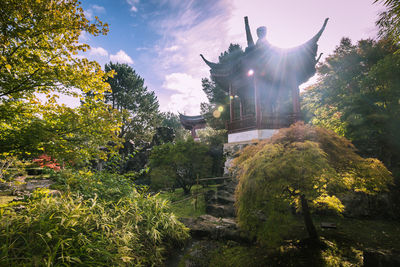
<point>215,140</point>
<point>39,41</point>
<point>38,54</point>
<point>298,166</point>
<point>389,20</point>
<point>70,135</point>
<point>171,120</point>
<point>217,97</point>
<point>357,96</point>
<point>183,162</point>
<point>138,105</point>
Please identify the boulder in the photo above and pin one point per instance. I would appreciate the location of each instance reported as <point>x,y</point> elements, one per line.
<point>216,228</point>
<point>218,210</point>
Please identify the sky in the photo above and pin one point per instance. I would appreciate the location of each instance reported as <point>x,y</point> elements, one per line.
<point>162,39</point>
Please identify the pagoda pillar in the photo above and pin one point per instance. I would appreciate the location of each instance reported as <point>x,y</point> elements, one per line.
<point>231,103</point>
<point>296,102</point>
<point>257,102</point>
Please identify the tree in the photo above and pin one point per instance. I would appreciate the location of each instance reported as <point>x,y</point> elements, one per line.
<point>357,96</point>
<point>171,120</point>
<point>38,54</point>
<point>139,106</point>
<point>139,109</point>
<point>217,97</point>
<point>215,140</point>
<point>70,135</point>
<point>39,41</point>
<point>299,166</point>
<point>389,20</point>
<point>183,162</point>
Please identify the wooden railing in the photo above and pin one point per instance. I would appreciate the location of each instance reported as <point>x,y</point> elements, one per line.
<point>247,123</point>
<point>266,122</point>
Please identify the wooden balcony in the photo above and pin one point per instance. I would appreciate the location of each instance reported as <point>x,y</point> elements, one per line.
<point>265,122</point>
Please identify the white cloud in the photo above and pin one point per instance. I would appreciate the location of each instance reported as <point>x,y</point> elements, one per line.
<point>98,51</point>
<point>93,10</point>
<point>171,48</point>
<point>88,14</point>
<point>85,36</point>
<point>133,4</point>
<point>121,57</point>
<point>98,9</point>
<point>190,32</point>
<point>188,93</point>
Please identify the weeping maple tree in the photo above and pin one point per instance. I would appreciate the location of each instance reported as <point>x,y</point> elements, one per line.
<point>299,166</point>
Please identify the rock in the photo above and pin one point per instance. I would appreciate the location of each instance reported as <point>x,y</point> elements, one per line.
<point>218,210</point>
<point>225,197</point>
<point>230,152</point>
<point>380,258</point>
<point>216,228</point>
<point>34,184</point>
<point>210,196</point>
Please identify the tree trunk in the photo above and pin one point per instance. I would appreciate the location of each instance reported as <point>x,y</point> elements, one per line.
<point>312,232</point>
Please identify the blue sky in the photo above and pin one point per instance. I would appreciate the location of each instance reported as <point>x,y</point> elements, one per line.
<point>162,39</point>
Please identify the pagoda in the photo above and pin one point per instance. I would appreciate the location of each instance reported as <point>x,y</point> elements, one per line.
<point>192,123</point>
<point>263,84</point>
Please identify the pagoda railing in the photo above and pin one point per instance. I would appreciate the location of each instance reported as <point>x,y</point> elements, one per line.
<point>266,122</point>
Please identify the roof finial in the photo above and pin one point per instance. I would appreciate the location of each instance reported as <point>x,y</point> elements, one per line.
<point>250,41</point>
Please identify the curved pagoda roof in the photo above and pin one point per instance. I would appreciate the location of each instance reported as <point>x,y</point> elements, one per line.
<point>189,122</point>
<point>278,66</point>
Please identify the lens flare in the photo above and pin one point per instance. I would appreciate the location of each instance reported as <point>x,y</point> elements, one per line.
<point>220,108</point>
<point>250,73</point>
<point>216,113</point>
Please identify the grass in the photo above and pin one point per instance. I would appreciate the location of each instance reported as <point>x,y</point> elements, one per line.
<point>183,205</point>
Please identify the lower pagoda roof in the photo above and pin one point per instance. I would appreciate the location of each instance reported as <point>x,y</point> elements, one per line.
<point>189,122</point>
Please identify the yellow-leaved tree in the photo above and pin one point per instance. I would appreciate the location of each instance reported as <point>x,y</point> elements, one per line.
<point>39,46</point>
<point>298,166</point>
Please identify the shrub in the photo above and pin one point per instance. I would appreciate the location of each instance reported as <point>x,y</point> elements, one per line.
<point>297,166</point>
<point>182,162</point>
<point>136,230</point>
<point>106,186</point>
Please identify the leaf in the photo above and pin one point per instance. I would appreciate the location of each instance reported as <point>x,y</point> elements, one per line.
<point>8,67</point>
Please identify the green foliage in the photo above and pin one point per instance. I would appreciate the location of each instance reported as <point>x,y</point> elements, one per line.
<point>138,105</point>
<point>136,230</point>
<point>217,97</point>
<point>389,20</point>
<point>11,168</point>
<point>103,185</point>
<point>183,161</point>
<point>39,41</point>
<point>140,116</point>
<point>184,206</point>
<point>162,179</point>
<point>171,120</point>
<point>215,140</point>
<point>162,135</point>
<point>67,134</point>
<point>357,96</point>
<point>299,162</point>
